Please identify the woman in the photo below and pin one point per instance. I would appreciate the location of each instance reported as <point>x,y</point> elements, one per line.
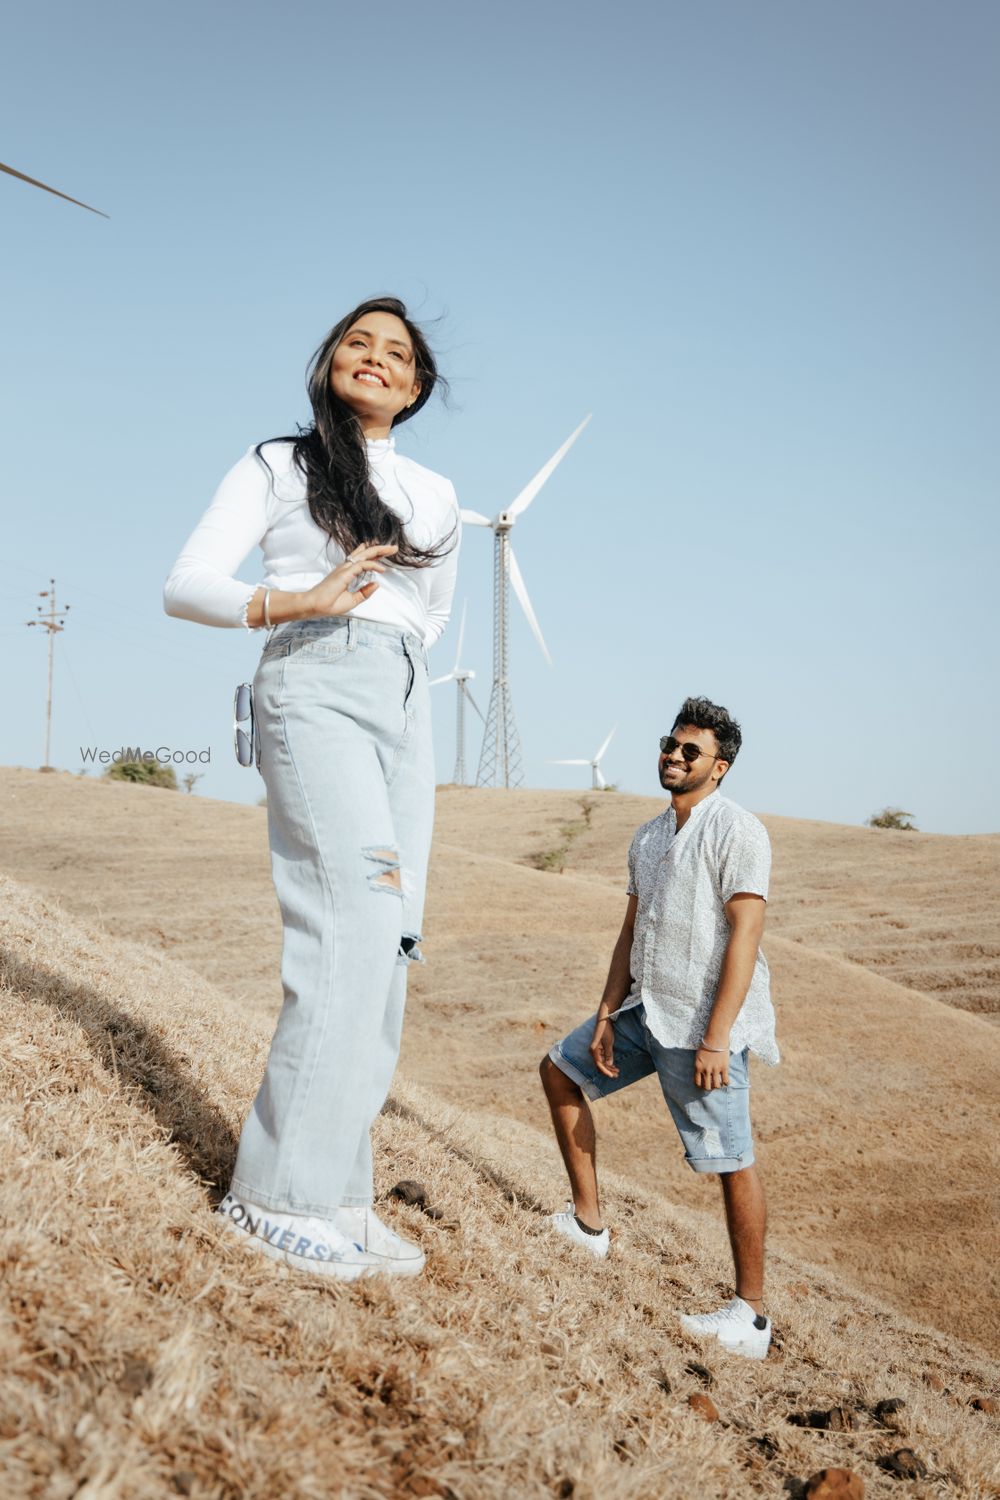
<point>343,715</point>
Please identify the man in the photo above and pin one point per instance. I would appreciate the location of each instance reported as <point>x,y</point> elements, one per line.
<point>687,997</point>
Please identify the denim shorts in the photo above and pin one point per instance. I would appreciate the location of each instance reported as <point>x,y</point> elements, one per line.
<point>714,1124</point>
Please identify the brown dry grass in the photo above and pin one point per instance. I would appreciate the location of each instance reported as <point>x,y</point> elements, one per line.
<point>876,1135</point>
<point>147,1355</point>
<point>922,909</point>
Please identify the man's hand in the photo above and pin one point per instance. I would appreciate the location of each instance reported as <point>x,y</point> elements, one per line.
<point>602,1048</point>
<point>711,1069</point>
<point>745,915</point>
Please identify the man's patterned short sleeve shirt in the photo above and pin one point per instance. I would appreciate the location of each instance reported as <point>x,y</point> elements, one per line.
<point>682,881</point>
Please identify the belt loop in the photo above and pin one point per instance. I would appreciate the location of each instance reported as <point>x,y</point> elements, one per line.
<point>352,631</point>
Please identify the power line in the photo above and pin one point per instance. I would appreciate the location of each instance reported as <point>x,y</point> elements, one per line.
<point>76,688</point>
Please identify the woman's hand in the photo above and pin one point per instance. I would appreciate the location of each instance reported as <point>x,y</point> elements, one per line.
<point>334,596</point>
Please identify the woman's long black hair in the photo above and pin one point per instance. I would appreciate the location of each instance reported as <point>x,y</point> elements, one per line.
<point>332,457</point>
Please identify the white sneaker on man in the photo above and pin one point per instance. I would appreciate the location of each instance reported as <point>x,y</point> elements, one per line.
<point>734,1326</point>
<point>401,1257</point>
<point>566,1225</point>
<point>304,1241</point>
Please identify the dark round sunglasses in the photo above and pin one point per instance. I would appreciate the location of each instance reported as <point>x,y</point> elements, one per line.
<point>690,751</point>
<point>247,745</point>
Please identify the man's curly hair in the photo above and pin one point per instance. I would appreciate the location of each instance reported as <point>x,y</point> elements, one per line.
<point>702,713</point>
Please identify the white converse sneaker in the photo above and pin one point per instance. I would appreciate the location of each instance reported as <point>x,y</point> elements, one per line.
<point>398,1256</point>
<point>733,1326</point>
<point>566,1225</point>
<point>300,1240</point>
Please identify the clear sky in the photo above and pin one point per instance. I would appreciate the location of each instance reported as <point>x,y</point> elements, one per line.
<point>758,241</point>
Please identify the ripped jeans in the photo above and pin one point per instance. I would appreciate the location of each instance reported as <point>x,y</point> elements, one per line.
<point>343,713</point>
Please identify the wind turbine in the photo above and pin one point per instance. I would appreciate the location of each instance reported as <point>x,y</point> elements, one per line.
<point>35,183</point>
<point>500,759</point>
<point>460,676</point>
<point>598,782</point>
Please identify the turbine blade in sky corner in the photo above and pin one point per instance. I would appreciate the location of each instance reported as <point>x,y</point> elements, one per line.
<point>35,183</point>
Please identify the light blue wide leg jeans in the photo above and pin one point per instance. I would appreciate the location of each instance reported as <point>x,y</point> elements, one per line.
<point>343,712</point>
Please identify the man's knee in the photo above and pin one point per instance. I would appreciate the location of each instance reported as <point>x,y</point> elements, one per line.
<point>555,1082</point>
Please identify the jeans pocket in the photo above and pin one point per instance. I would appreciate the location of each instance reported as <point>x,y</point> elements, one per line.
<point>317,648</point>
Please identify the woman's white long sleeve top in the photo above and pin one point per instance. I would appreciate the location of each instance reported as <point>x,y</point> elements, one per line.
<point>250,508</point>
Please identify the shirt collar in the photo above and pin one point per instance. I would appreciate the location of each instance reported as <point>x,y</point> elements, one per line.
<point>696,811</point>
<point>379,447</point>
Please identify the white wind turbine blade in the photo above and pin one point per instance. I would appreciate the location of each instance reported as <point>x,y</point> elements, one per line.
<point>569,762</point>
<point>607,742</point>
<point>461,637</point>
<point>473,518</point>
<point>522,594</point>
<point>434,682</point>
<point>599,779</point>
<point>474,703</point>
<point>531,489</point>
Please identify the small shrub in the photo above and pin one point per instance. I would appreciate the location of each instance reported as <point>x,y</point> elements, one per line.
<point>144,772</point>
<point>892,817</point>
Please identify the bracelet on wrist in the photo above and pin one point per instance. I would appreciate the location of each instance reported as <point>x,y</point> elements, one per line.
<point>703,1048</point>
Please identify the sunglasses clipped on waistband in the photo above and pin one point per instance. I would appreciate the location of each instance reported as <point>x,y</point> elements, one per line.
<point>247,742</point>
<point>690,751</point>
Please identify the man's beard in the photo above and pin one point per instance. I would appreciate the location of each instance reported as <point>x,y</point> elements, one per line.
<point>689,782</point>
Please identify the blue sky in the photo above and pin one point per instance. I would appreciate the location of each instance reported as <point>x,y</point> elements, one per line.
<point>759,242</point>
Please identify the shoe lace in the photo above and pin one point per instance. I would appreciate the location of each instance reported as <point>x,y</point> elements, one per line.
<point>728,1314</point>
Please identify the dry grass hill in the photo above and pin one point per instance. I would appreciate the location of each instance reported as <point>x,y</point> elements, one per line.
<point>139,945</point>
<point>146,1355</point>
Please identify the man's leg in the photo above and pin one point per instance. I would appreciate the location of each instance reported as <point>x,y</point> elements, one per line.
<point>577,1139</point>
<point>746,1220</point>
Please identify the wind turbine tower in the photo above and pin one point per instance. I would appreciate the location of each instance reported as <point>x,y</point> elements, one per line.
<point>500,759</point>
<point>460,676</point>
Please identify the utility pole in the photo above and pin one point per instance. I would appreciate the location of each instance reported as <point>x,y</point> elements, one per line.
<point>52,621</point>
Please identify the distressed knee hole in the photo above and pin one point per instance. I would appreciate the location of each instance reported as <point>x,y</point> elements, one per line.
<point>409,953</point>
<point>386,875</point>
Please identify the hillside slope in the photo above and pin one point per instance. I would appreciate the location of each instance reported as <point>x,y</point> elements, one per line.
<point>922,909</point>
<point>146,1355</point>
<point>864,1131</point>
<point>876,1134</point>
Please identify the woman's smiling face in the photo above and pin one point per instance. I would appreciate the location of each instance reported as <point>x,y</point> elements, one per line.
<point>373,369</point>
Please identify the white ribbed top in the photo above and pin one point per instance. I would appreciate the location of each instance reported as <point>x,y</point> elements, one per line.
<point>250,509</point>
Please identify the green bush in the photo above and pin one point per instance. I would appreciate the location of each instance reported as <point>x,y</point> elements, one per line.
<point>144,772</point>
<point>892,817</point>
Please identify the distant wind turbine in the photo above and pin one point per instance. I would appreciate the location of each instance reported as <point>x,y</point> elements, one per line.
<point>35,183</point>
<point>460,676</point>
<point>598,782</point>
<point>500,759</point>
